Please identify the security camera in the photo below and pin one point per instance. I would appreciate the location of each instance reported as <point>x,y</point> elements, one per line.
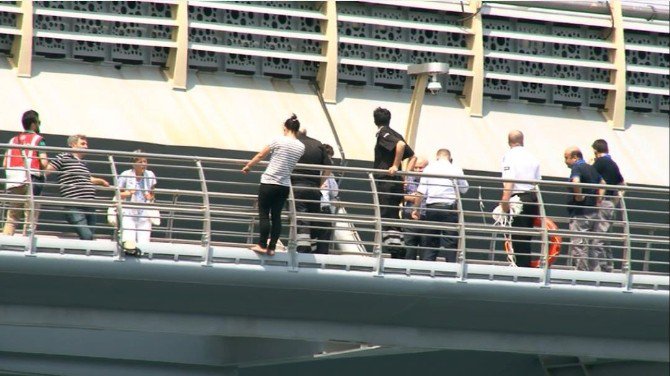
<point>434,86</point>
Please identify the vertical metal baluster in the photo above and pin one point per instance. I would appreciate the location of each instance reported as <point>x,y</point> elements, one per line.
<point>207,218</point>
<point>377,250</point>
<point>30,221</point>
<point>627,264</point>
<point>118,253</point>
<point>544,257</point>
<point>293,233</point>
<point>461,233</point>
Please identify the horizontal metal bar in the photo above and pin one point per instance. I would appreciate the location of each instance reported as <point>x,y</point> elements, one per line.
<point>406,46</point>
<point>105,16</point>
<point>544,14</point>
<point>257,52</point>
<point>83,37</point>
<point>229,5</point>
<point>257,31</point>
<point>548,60</point>
<point>548,38</point>
<point>648,90</point>
<point>664,71</point>
<point>403,24</point>
<point>548,80</point>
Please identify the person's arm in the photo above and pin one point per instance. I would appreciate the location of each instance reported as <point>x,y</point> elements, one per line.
<point>418,197</point>
<point>99,181</point>
<point>577,190</point>
<point>411,162</point>
<point>257,158</point>
<point>506,195</point>
<point>463,184</point>
<point>399,151</point>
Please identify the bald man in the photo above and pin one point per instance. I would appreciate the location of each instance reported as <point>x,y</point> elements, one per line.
<point>583,204</point>
<point>519,164</point>
<point>412,236</point>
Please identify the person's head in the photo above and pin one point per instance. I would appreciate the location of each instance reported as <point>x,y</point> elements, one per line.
<point>139,162</point>
<point>572,155</point>
<point>382,117</point>
<point>329,150</point>
<point>600,147</point>
<point>292,125</point>
<point>444,154</point>
<point>420,164</point>
<point>515,138</point>
<point>31,121</point>
<point>303,131</point>
<point>77,141</point>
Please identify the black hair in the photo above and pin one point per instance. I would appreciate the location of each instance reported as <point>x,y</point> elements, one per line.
<point>382,117</point>
<point>29,118</point>
<point>329,150</point>
<point>292,124</point>
<point>600,146</point>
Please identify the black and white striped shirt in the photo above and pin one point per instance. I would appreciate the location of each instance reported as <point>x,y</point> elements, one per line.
<point>74,177</point>
<point>286,152</point>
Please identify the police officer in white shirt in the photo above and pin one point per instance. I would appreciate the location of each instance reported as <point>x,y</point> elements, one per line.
<point>441,205</point>
<point>520,164</point>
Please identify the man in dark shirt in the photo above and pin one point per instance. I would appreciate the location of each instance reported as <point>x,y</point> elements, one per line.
<point>306,189</point>
<point>390,151</point>
<point>609,171</point>
<point>582,208</point>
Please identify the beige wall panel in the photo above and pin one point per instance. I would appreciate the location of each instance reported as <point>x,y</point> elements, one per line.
<point>134,103</point>
<point>244,113</point>
<point>479,143</point>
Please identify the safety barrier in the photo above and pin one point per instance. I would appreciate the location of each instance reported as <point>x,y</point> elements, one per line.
<point>208,215</point>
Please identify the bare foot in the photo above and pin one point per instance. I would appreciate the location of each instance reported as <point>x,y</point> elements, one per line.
<point>257,248</point>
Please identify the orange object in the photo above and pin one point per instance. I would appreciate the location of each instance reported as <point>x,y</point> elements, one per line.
<point>555,242</point>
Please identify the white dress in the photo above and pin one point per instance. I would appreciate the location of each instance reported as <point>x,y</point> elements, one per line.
<point>135,225</point>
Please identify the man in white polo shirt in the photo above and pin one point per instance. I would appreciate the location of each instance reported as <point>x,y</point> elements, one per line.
<point>441,205</point>
<point>519,164</point>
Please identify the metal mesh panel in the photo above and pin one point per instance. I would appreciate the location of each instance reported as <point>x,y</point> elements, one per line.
<point>204,59</point>
<point>353,73</point>
<point>7,19</point>
<point>495,87</point>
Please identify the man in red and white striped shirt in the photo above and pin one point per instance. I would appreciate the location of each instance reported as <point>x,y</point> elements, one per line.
<point>21,165</point>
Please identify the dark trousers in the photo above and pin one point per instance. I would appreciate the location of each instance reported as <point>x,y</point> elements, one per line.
<point>325,234</point>
<point>271,199</point>
<point>413,238</point>
<point>446,240</point>
<point>307,200</point>
<point>390,190</point>
<point>521,243</point>
<point>83,221</point>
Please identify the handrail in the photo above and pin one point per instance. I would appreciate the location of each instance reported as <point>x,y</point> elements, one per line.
<point>200,217</point>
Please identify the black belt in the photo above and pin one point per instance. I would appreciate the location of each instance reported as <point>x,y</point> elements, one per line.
<point>441,205</point>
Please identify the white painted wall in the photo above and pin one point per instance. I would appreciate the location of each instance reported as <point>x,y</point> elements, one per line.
<point>244,113</point>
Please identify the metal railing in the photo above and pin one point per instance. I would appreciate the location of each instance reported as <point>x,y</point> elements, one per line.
<point>208,214</point>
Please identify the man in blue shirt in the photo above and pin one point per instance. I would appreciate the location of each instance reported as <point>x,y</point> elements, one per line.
<point>583,210</point>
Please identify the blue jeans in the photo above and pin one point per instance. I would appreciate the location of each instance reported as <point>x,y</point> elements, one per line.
<point>83,222</point>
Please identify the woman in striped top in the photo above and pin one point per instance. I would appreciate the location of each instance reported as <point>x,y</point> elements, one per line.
<point>275,183</point>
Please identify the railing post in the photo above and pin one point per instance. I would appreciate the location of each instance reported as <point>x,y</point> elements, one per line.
<point>119,210</point>
<point>207,220</point>
<point>461,232</point>
<point>377,250</point>
<point>544,258</point>
<point>293,232</point>
<point>30,221</point>
<point>627,265</point>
